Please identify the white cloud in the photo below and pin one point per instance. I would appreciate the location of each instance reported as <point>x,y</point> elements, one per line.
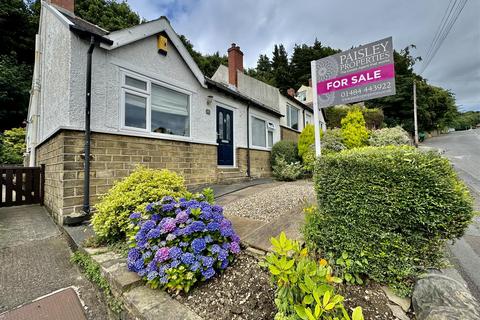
<point>256,25</point>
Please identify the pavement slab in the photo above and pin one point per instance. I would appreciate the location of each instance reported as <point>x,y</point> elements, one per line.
<point>35,261</point>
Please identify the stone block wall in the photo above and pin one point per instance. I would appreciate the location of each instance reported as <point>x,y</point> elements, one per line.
<point>51,154</point>
<point>115,157</point>
<point>289,134</point>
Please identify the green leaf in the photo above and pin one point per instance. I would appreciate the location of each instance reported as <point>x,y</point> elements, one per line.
<point>300,310</point>
<point>309,313</point>
<point>318,311</point>
<point>308,299</point>
<point>348,276</point>
<point>274,270</point>
<point>326,298</point>
<point>357,314</point>
<point>344,255</point>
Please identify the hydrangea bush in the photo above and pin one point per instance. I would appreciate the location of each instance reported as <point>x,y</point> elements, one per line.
<point>176,243</point>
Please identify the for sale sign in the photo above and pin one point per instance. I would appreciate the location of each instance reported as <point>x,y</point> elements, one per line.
<point>359,74</point>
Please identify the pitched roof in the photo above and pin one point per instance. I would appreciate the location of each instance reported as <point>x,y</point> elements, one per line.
<point>242,97</point>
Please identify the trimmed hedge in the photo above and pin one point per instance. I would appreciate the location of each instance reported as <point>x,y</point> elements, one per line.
<point>394,206</point>
<point>286,149</point>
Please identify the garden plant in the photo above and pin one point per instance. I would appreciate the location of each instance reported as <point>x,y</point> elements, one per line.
<point>143,186</point>
<point>304,287</point>
<point>390,208</point>
<point>177,242</point>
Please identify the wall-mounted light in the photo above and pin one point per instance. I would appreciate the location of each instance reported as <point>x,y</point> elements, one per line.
<point>209,100</point>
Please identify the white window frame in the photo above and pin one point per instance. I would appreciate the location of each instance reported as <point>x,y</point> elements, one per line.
<point>289,120</point>
<point>311,118</point>
<point>147,94</point>
<point>267,129</point>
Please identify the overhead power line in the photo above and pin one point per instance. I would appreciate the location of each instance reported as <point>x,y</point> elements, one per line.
<point>449,18</point>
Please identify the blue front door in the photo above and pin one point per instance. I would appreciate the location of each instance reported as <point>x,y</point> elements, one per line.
<point>224,137</point>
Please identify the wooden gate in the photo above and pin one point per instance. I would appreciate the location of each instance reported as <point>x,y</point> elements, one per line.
<point>22,185</point>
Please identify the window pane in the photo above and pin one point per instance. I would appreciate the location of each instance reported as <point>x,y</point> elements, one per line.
<point>258,132</point>
<point>135,111</point>
<point>169,111</point>
<point>132,82</point>
<point>293,117</point>
<point>220,125</point>
<point>270,139</point>
<point>228,126</point>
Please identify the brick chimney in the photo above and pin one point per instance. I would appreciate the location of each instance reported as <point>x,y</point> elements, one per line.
<point>68,5</point>
<point>310,82</point>
<point>235,62</point>
<point>291,92</point>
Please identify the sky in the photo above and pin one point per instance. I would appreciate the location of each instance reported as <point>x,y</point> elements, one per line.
<point>256,25</point>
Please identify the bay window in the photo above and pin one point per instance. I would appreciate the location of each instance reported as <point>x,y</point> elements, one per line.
<point>155,108</point>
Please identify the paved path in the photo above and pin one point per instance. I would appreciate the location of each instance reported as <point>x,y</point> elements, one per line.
<point>463,149</point>
<point>34,261</point>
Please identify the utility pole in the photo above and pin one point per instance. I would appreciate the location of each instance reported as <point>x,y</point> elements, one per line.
<point>415,124</point>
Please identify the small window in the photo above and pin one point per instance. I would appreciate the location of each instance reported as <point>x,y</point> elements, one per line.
<point>292,117</point>
<point>135,83</point>
<point>135,111</point>
<point>258,132</point>
<point>270,138</point>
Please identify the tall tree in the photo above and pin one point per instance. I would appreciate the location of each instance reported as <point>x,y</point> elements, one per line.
<point>281,68</point>
<point>108,14</point>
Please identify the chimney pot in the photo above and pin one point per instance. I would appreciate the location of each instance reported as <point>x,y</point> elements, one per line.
<point>291,92</point>
<point>235,63</point>
<point>68,5</point>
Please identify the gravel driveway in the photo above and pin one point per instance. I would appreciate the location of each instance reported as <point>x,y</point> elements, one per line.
<point>268,204</point>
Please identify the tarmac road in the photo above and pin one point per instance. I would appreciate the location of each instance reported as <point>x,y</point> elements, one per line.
<point>463,149</point>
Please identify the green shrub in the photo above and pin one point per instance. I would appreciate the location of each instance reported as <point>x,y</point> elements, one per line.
<point>393,206</point>
<point>287,149</point>
<point>12,146</point>
<point>332,141</point>
<point>110,221</point>
<point>304,288</point>
<point>306,139</point>
<point>373,118</point>
<point>354,132</point>
<point>284,171</point>
<point>389,137</point>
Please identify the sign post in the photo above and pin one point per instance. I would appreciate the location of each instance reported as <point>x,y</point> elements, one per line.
<point>359,74</point>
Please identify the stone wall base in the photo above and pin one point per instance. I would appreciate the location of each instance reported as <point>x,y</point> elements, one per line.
<point>289,134</point>
<point>116,156</point>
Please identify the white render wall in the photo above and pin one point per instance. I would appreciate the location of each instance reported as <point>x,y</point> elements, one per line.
<point>54,73</point>
<point>139,58</point>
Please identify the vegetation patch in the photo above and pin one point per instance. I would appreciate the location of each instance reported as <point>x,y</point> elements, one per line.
<point>390,208</point>
<point>92,272</point>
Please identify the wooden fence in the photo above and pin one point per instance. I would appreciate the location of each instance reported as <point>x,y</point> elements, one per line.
<point>22,185</point>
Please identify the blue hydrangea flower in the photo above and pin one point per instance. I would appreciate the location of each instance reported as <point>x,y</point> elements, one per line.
<point>164,279</point>
<point>224,264</point>
<point>208,273</point>
<point>188,258</point>
<point>170,237</point>
<point>147,226</point>
<point>146,254</point>
<point>152,275</point>
<point>175,252</point>
<point>197,226</point>
<point>222,255</point>
<point>156,217</point>
<point>183,244</point>
<point>138,265</point>
<point>198,245</point>
<point>168,207</point>
<point>135,215</point>
<point>142,272</point>
<point>149,207</point>
<point>207,261</point>
<point>235,247</point>
<point>213,226</point>
<point>175,263</point>
<point>182,217</point>
<point>195,266</point>
<point>152,266</point>
<point>217,209</point>
<point>167,199</point>
<point>215,248</point>
<point>153,233</point>
<point>133,254</point>
<point>168,225</point>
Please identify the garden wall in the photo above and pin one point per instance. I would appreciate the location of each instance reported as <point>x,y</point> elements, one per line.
<point>289,134</point>
<point>115,156</point>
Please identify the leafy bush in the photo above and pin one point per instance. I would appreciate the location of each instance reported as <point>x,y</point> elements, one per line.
<point>395,207</point>
<point>306,139</point>
<point>389,136</point>
<point>133,193</point>
<point>332,141</point>
<point>373,118</point>
<point>12,146</point>
<point>304,288</point>
<point>287,149</point>
<point>285,171</point>
<point>177,243</point>
<point>354,132</point>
